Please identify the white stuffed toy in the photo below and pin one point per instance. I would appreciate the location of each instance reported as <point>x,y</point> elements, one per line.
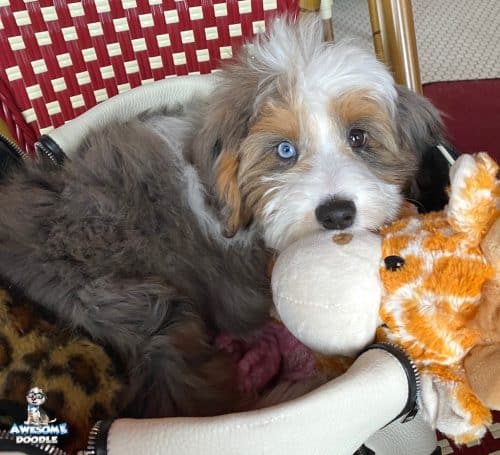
<point>319,296</point>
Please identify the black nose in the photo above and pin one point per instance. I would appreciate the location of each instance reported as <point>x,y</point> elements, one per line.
<point>336,214</point>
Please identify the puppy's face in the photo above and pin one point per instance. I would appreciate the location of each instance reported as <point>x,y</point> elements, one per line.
<point>329,164</point>
<point>319,146</point>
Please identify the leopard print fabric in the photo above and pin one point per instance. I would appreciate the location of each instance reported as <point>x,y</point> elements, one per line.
<point>81,381</point>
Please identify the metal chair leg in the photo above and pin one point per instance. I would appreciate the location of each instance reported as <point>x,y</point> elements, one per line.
<point>394,39</point>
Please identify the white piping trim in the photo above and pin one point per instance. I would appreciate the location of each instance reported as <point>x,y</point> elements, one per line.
<point>446,154</point>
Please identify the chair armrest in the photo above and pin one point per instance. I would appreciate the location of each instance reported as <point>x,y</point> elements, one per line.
<point>157,95</point>
<point>334,419</point>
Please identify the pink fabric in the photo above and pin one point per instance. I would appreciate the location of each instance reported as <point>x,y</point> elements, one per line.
<point>268,354</point>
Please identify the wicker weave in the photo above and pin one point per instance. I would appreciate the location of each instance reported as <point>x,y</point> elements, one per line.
<point>60,58</point>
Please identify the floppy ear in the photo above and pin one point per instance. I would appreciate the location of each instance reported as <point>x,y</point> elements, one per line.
<point>241,90</point>
<point>217,152</point>
<point>420,130</point>
<point>233,209</point>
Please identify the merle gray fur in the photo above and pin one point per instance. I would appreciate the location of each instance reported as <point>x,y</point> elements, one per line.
<point>110,243</point>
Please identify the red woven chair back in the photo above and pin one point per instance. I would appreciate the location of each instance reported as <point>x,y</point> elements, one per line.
<point>59,58</point>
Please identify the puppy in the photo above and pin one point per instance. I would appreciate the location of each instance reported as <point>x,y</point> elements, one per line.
<point>156,235</point>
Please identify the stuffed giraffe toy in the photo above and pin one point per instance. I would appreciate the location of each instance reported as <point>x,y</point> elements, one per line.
<point>433,274</point>
<point>418,284</point>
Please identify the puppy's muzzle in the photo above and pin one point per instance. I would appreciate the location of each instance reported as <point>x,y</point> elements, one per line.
<point>336,214</point>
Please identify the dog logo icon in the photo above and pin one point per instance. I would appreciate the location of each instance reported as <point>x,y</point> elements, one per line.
<point>38,428</point>
<point>36,415</point>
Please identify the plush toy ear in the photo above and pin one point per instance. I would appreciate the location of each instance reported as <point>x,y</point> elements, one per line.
<point>474,196</point>
<point>234,212</point>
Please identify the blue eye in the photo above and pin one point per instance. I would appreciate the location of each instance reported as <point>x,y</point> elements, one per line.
<point>286,151</point>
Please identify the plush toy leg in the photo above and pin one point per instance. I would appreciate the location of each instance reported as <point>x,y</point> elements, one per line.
<point>453,408</point>
<point>482,366</point>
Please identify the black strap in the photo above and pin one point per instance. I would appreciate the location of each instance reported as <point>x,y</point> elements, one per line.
<point>97,442</point>
<point>10,158</point>
<point>48,148</point>
<point>363,450</point>
<point>8,446</point>
<point>411,408</point>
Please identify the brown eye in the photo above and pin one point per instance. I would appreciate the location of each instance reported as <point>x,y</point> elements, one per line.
<point>357,138</point>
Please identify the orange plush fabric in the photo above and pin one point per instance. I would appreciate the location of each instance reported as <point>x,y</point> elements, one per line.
<point>432,295</point>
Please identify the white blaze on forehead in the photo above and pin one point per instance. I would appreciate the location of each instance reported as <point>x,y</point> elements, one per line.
<point>320,131</point>
<point>343,67</point>
<point>314,122</point>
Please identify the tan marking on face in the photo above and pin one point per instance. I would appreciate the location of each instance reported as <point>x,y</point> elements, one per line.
<point>258,157</point>
<point>227,170</point>
<point>358,109</point>
<point>277,120</point>
<point>261,169</point>
<point>260,163</point>
<point>357,105</point>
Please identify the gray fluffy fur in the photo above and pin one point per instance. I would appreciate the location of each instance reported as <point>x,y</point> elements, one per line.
<point>110,243</point>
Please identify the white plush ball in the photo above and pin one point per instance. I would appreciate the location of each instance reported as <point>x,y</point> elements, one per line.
<point>327,290</point>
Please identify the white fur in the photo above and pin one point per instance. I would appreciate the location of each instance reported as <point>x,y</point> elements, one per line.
<point>290,213</point>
